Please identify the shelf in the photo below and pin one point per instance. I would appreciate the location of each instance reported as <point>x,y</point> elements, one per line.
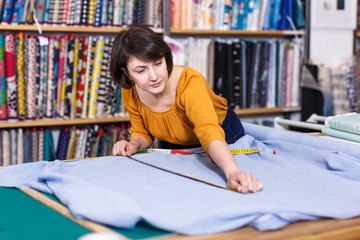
<point>61,122</point>
<point>66,29</point>
<point>235,32</point>
<point>259,111</point>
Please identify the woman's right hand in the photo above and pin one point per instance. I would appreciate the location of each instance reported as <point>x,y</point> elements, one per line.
<point>124,148</point>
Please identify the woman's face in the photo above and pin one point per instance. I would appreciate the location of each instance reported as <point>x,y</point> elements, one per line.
<point>148,76</point>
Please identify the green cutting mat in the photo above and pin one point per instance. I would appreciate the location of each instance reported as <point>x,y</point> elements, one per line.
<point>22,217</point>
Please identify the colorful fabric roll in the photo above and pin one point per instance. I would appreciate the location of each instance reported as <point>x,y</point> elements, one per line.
<point>20,146</point>
<point>3,98</point>
<point>87,83</point>
<point>60,77</point>
<point>31,79</point>
<point>43,79</point>
<point>98,10</point>
<point>13,146</point>
<point>81,83</point>
<point>55,78</point>
<point>50,77</point>
<point>72,144</point>
<point>63,144</point>
<point>96,77</point>
<point>34,145</point>
<point>103,96</point>
<point>46,11</point>
<point>90,140</point>
<point>91,12</point>
<point>69,77</point>
<point>110,13</point>
<point>104,12</point>
<point>10,76</point>
<point>75,77</point>
<point>18,11</point>
<point>27,146</point>
<point>84,12</point>
<point>37,77</point>
<point>41,145</point>
<point>7,11</point>
<point>40,6</point>
<point>5,137</point>
<point>64,12</point>
<point>56,11</point>
<point>49,151</point>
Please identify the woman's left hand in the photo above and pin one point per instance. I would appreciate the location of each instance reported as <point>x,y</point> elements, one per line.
<point>243,182</point>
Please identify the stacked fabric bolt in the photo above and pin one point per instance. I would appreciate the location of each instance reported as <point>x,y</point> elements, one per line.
<point>345,126</point>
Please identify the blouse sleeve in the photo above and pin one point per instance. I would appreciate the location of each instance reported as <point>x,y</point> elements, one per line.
<point>200,110</point>
<point>137,125</point>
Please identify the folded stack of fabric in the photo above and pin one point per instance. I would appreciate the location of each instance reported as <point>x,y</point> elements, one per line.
<point>345,126</point>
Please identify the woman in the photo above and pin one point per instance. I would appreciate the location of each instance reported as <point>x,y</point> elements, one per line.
<point>173,104</point>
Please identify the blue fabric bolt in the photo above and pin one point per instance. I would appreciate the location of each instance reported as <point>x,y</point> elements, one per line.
<point>307,178</point>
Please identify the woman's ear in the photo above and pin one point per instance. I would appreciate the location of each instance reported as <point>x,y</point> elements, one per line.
<point>125,71</point>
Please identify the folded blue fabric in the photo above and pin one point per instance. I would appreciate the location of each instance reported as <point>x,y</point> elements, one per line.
<point>308,178</point>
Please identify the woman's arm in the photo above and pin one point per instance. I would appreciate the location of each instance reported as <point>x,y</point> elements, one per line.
<point>236,179</point>
<point>125,148</point>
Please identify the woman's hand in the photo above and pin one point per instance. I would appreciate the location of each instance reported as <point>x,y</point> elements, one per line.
<point>124,148</point>
<point>243,182</point>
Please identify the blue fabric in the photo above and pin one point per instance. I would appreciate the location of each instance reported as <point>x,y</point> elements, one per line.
<point>308,178</point>
<point>232,127</point>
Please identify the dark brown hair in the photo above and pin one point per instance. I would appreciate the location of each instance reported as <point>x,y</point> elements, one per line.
<point>140,42</point>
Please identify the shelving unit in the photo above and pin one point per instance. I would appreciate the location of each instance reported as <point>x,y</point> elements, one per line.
<point>61,122</point>
<point>236,32</point>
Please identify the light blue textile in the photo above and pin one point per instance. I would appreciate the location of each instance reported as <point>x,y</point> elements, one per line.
<point>307,178</point>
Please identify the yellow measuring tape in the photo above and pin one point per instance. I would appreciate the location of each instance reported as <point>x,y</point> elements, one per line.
<point>244,150</point>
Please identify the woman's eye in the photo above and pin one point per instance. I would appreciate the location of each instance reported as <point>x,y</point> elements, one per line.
<point>158,63</point>
<point>141,71</point>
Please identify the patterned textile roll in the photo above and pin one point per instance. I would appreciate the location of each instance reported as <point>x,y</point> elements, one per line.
<point>5,137</point>
<point>72,144</point>
<point>122,133</point>
<point>83,142</point>
<point>84,12</point>
<point>34,145</point>
<point>97,21</point>
<point>10,76</point>
<point>81,84</point>
<point>7,11</point>
<point>18,11</point>
<point>51,11</point>
<point>40,6</point>
<point>87,83</point>
<point>128,12</point>
<point>50,77</point>
<point>104,12</point>
<point>103,95</point>
<point>41,144</point>
<point>111,87</point>
<point>99,49</point>
<point>91,12</point>
<point>117,12</point>
<point>56,74</point>
<point>31,79</point>
<point>77,13</point>
<point>46,11</point>
<point>69,77</point>
<point>56,11</point>
<point>3,105</point>
<point>96,143</point>
<point>79,142</point>
<point>89,141</point>
<point>72,12</point>
<point>75,77</point>
<point>101,137</point>
<point>60,76</point>
<point>110,13</point>
<point>64,14</point>
<point>13,146</point>
<point>43,80</point>
<point>49,151</point>
<point>20,146</point>
<point>37,77</point>
<point>27,146</point>
<point>63,144</point>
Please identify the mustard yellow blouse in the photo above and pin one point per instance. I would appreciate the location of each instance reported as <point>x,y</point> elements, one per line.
<point>195,116</point>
